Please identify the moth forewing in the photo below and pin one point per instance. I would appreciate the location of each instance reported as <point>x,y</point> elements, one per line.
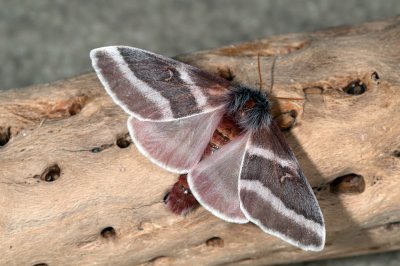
<point>275,195</point>
<point>156,88</point>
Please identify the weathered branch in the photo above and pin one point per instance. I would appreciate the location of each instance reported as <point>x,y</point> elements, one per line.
<point>74,192</point>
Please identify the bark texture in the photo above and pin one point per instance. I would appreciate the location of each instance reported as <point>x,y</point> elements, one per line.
<point>74,192</point>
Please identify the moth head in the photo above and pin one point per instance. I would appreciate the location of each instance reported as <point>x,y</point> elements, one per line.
<point>250,108</point>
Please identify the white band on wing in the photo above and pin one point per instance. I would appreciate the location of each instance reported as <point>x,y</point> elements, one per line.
<point>146,90</point>
<point>196,91</point>
<point>267,154</point>
<point>265,194</point>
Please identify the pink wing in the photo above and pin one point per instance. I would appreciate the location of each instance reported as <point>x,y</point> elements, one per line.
<point>175,145</point>
<point>214,181</point>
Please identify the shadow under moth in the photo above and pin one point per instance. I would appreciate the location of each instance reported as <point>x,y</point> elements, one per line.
<point>174,111</point>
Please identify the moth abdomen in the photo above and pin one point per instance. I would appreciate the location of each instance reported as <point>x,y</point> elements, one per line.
<point>180,200</point>
<point>250,108</point>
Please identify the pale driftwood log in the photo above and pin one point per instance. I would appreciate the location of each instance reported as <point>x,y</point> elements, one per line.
<point>72,193</point>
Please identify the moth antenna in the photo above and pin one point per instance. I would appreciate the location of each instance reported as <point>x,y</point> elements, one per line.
<point>272,74</point>
<point>290,99</point>
<point>272,83</point>
<point>259,71</point>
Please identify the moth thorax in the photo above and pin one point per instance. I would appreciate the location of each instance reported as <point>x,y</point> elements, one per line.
<point>250,108</point>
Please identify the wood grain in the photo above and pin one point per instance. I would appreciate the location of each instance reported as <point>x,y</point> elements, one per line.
<point>73,192</point>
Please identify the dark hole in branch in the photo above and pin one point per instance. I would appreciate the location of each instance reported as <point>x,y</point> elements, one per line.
<point>5,135</point>
<point>96,150</point>
<point>375,76</point>
<point>124,141</point>
<point>101,148</point>
<point>348,184</point>
<point>108,232</point>
<point>215,242</point>
<point>165,199</point>
<point>52,173</point>
<point>356,87</point>
<point>396,153</point>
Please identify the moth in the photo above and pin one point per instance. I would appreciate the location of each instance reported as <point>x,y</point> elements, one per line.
<point>174,109</point>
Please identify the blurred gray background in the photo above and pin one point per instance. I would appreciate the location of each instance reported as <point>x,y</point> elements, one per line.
<point>46,40</point>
